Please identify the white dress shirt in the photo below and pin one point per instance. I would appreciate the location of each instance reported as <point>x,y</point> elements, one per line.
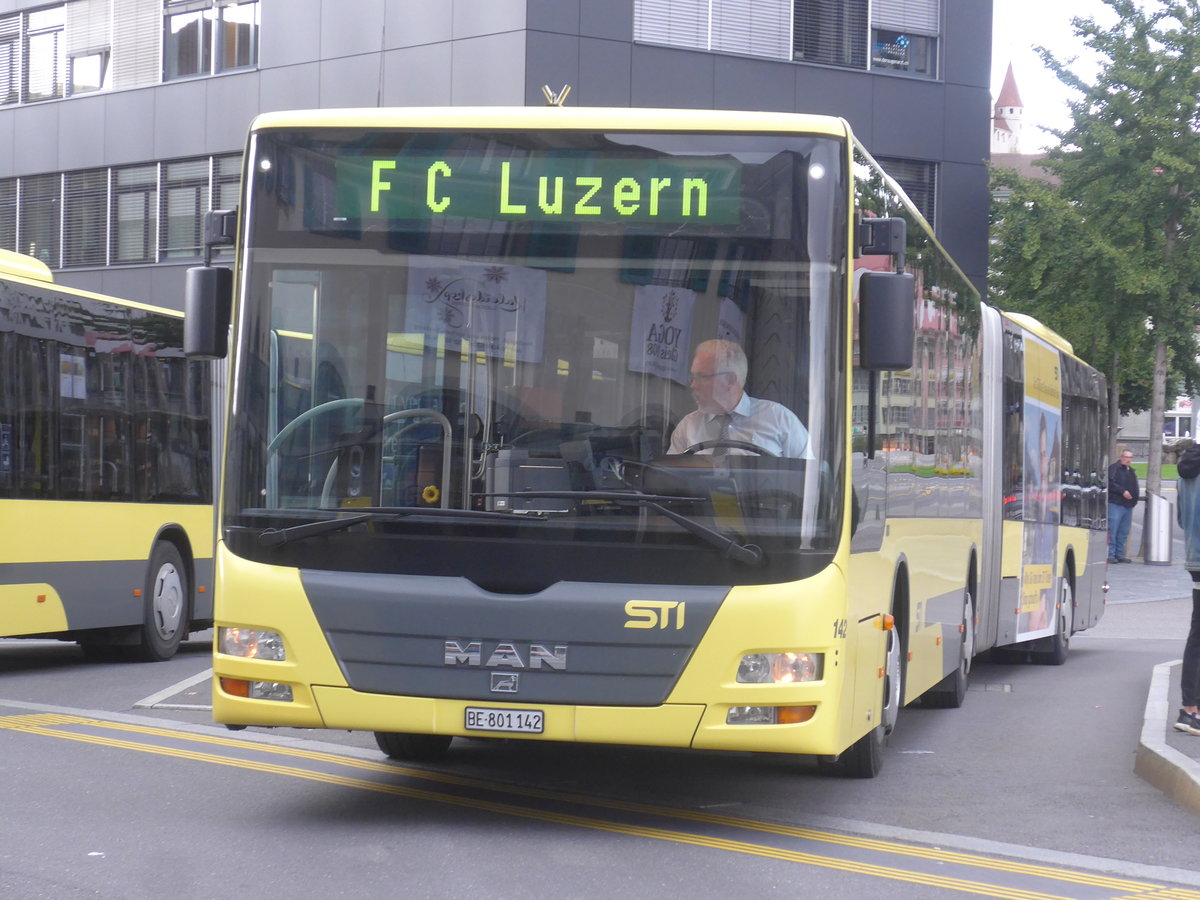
<point>764,423</point>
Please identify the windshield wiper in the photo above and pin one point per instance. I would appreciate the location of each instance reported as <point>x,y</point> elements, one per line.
<point>748,554</point>
<point>277,537</point>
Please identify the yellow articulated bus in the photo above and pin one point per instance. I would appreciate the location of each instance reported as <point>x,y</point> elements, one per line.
<point>106,478</point>
<point>670,428</point>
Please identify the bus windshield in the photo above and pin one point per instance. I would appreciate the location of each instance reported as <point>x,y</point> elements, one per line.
<point>478,345</point>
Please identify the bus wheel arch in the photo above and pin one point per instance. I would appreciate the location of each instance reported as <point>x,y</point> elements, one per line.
<point>896,653</point>
<point>1064,615</point>
<point>864,758</point>
<point>951,691</point>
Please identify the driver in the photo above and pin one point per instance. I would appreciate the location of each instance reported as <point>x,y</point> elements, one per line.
<point>725,413</point>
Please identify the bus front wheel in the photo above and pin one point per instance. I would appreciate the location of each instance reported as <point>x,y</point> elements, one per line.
<point>864,758</point>
<point>165,599</point>
<point>412,747</point>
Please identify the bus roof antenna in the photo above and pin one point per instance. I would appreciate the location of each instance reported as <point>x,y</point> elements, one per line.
<point>553,99</point>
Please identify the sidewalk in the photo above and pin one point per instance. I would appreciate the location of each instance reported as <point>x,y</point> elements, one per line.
<point>1166,758</point>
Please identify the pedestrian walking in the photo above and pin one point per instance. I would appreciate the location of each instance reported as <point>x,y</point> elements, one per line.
<point>1188,513</point>
<point>1122,498</point>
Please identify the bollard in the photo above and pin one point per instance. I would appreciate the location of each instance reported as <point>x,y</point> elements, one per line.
<point>1157,529</point>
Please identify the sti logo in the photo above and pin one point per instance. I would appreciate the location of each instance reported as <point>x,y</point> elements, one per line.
<point>655,614</point>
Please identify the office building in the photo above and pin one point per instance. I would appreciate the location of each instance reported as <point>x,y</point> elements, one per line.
<point>122,121</point>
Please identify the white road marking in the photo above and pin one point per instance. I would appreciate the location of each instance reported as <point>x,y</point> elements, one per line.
<point>155,699</point>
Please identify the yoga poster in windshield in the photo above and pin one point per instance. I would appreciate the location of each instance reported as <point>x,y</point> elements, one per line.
<point>661,341</point>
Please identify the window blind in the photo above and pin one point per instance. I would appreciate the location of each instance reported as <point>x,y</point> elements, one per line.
<point>89,26</point>
<point>136,38</point>
<point>85,218</point>
<point>924,16</point>
<point>754,27</point>
<point>833,32</point>
<point>918,179</point>
<point>8,214</point>
<point>678,23</point>
<point>39,218</point>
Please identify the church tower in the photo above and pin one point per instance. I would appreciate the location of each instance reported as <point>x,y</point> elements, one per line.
<point>1006,117</point>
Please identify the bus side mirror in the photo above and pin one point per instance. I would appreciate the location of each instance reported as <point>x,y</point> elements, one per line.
<point>886,307</point>
<point>207,303</point>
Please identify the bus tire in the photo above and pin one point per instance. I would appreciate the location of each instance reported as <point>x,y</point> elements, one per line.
<point>1064,622</point>
<point>864,758</point>
<point>951,691</point>
<point>165,599</point>
<point>412,747</point>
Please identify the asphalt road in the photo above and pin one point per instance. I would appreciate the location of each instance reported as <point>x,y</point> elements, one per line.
<point>116,785</point>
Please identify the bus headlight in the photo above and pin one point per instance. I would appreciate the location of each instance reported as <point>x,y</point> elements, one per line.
<point>251,643</point>
<point>769,715</point>
<point>781,668</point>
<point>257,690</point>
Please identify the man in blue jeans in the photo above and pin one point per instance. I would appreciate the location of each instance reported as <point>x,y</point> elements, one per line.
<point>1122,498</point>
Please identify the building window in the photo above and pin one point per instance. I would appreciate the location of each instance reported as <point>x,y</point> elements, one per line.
<point>833,32</point>
<point>186,44</point>
<point>918,179</point>
<point>87,72</point>
<point>204,37</point>
<point>10,59</point>
<point>185,200</point>
<point>134,237</point>
<point>886,35</point>
<point>117,216</point>
<point>915,54</point>
<point>85,218</point>
<point>237,36</point>
<point>904,36</point>
<point>751,27</point>
<point>39,221</point>
<point>45,61</point>
<point>8,214</point>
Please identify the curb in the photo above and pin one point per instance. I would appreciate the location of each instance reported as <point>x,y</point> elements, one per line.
<point>1156,762</point>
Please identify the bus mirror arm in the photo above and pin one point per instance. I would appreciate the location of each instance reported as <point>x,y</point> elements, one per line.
<point>882,237</point>
<point>872,407</point>
<point>220,230</point>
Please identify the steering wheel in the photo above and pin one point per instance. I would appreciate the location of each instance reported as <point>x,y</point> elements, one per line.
<point>290,428</point>
<point>731,444</point>
<point>308,415</point>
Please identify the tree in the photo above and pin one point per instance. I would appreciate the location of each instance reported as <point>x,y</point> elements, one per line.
<point>1130,162</point>
<point>1047,261</point>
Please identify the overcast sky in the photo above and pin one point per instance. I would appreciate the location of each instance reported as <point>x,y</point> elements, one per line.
<point>1017,27</point>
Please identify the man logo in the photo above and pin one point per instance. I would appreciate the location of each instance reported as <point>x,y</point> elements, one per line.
<point>505,682</point>
<point>506,655</point>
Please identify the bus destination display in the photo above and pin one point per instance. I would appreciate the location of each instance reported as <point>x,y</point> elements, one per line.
<point>583,187</point>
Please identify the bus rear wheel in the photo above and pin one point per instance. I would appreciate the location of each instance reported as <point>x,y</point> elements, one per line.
<point>1064,624</point>
<point>165,598</point>
<point>412,747</point>
<point>951,691</point>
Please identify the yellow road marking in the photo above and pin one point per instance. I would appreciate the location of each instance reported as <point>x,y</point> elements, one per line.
<point>50,725</point>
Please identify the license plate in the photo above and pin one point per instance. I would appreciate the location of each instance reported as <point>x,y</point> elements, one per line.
<point>525,721</point>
